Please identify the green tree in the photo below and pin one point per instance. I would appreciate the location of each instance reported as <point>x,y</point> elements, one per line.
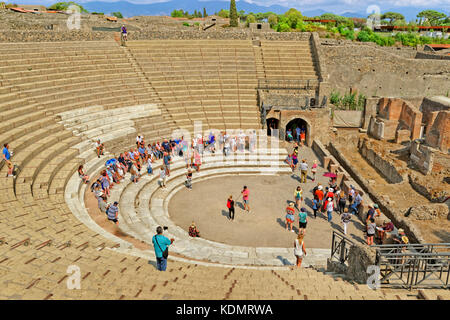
<point>233,14</point>
<point>117,15</point>
<point>63,6</point>
<point>224,13</point>
<point>432,16</point>
<point>273,20</point>
<point>250,19</point>
<point>177,13</point>
<point>204,13</point>
<point>392,16</point>
<point>293,17</point>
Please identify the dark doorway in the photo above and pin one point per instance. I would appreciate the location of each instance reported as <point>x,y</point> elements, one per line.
<point>296,129</point>
<point>272,124</point>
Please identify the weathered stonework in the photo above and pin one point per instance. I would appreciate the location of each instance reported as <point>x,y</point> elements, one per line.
<point>317,119</point>
<point>376,71</point>
<point>432,211</point>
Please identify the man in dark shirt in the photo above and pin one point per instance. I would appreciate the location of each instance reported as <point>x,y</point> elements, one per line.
<point>230,206</point>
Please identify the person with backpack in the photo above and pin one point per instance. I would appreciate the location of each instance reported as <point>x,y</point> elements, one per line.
<point>161,244</point>
<point>230,206</point>
<point>342,201</point>
<point>299,249</point>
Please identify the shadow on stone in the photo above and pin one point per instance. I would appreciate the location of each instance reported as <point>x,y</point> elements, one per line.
<point>225,214</point>
<point>281,222</point>
<point>443,235</point>
<point>284,261</point>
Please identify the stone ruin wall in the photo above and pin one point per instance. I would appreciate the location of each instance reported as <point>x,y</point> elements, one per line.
<point>385,168</point>
<point>376,71</point>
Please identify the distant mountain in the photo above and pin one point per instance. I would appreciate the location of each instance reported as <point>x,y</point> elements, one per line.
<point>165,8</point>
<point>354,15</point>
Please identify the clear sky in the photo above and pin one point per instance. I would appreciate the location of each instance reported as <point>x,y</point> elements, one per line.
<point>332,5</point>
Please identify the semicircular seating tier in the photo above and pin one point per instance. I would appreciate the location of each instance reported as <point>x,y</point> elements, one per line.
<point>55,100</point>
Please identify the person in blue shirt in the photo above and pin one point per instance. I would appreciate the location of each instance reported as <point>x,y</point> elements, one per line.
<point>142,152</point>
<point>7,158</point>
<point>160,243</point>
<point>355,205</point>
<point>166,161</point>
<point>315,206</point>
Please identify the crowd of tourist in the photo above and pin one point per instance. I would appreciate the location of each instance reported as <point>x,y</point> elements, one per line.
<point>145,155</point>
<point>330,200</point>
<point>326,201</point>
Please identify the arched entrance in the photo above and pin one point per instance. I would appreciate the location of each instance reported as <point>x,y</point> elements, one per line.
<point>272,124</point>
<point>296,128</point>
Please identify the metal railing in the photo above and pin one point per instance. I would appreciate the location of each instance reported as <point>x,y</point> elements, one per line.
<point>340,247</point>
<point>288,84</point>
<point>414,265</point>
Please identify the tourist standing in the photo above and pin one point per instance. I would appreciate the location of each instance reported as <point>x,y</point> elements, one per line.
<point>245,192</point>
<point>303,220</point>
<point>299,249</point>
<point>298,195</point>
<point>166,161</point>
<point>230,206</point>
<point>124,33</point>
<point>371,227</point>
<point>113,212</point>
<point>161,244</point>
<point>315,206</point>
<point>329,206</point>
<point>356,203</point>
<point>162,178</point>
<point>342,201</point>
<point>351,195</point>
<point>302,137</point>
<point>304,171</point>
<point>100,148</point>
<point>7,158</point>
<point>105,182</point>
<point>290,216</point>
<point>345,219</point>
<point>314,170</point>
<point>319,195</point>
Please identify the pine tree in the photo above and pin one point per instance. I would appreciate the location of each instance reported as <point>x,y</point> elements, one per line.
<point>204,13</point>
<point>233,14</point>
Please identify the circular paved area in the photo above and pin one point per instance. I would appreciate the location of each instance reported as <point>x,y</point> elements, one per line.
<point>264,226</point>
